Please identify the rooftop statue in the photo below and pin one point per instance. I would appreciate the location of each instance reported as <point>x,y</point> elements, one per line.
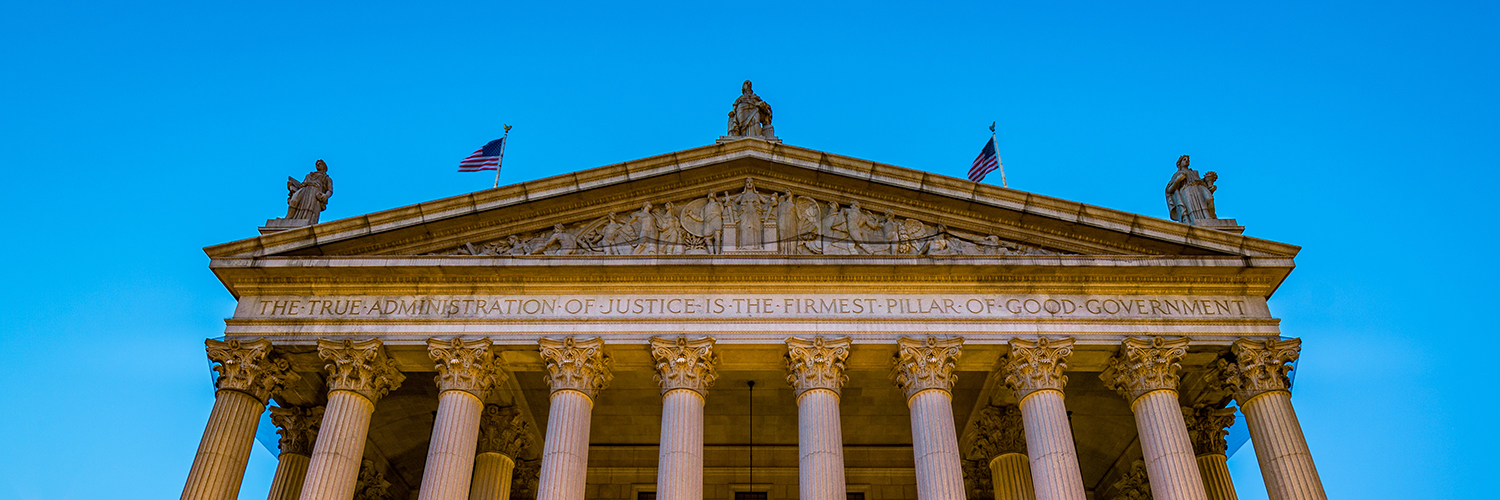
<point>305,200</point>
<point>1190,199</point>
<point>751,117</point>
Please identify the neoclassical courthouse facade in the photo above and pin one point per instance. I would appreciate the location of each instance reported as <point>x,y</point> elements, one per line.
<point>751,321</point>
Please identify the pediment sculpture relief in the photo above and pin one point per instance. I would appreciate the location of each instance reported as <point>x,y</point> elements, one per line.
<point>749,222</point>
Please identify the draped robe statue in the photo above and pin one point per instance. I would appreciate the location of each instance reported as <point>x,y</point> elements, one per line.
<point>307,199</point>
<point>750,215</point>
<point>751,117</point>
<point>1190,198</point>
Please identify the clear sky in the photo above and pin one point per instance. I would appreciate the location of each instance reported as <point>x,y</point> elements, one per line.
<point>136,133</point>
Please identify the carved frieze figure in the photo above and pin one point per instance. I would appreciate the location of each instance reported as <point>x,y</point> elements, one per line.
<point>307,199</point>
<point>1190,198</point>
<point>565,242</point>
<point>614,237</point>
<point>704,218</point>
<point>750,214</point>
<point>751,117</point>
<point>668,230</point>
<point>643,223</point>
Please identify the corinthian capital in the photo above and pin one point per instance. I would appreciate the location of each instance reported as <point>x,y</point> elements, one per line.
<point>249,367</point>
<point>502,430</point>
<point>360,367</point>
<point>1207,426</point>
<point>1145,365</point>
<point>298,427</point>
<point>465,365</point>
<point>925,364</point>
<point>685,364</point>
<point>1259,366</point>
<point>817,363</point>
<point>999,432</point>
<point>1036,365</point>
<point>578,365</point>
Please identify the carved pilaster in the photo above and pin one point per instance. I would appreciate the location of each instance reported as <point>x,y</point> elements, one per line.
<point>999,432</point>
<point>249,367</point>
<point>371,484</point>
<point>503,430</point>
<point>978,480</point>
<point>925,364</point>
<point>360,367</point>
<point>685,364</point>
<point>1133,485</point>
<point>465,365</point>
<point>817,363</point>
<point>1035,365</point>
<point>1259,366</point>
<point>298,427</point>
<point>1145,365</point>
<point>578,365</point>
<point>1207,427</point>
<point>525,476</point>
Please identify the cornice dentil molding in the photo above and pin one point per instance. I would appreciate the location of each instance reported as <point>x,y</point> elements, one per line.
<point>298,427</point>
<point>578,365</point>
<point>1145,365</point>
<point>465,365</point>
<point>685,364</point>
<point>816,363</point>
<point>249,367</point>
<point>1000,432</point>
<point>361,367</point>
<point>503,430</point>
<point>1207,427</point>
<point>1037,365</point>
<point>1258,367</point>
<point>921,365</point>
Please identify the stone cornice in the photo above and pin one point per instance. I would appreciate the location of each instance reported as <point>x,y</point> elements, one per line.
<point>249,367</point>
<point>465,365</point>
<point>999,432</point>
<point>924,364</point>
<point>1207,427</point>
<point>503,430</point>
<point>685,364</point>
<point>298,427</point>
<point>1145,365</point>
<point>1258,367</point>
<point>1037,365</point>
<point>816,363</point>
<point>578,365</point>
<point>361,367</point>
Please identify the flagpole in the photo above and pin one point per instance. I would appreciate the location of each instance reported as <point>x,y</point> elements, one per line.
<point>999,163</point>
<point>501,160</point>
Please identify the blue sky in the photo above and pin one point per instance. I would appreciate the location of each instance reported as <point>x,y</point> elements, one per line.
<point>134,134</point>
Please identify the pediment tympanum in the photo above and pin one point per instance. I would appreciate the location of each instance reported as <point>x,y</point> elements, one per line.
<point>749,221</point>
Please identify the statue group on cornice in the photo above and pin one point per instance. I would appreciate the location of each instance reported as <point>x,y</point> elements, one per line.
<point>749,222</point>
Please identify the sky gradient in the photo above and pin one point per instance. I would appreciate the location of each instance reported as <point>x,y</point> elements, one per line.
<point>134,134</point>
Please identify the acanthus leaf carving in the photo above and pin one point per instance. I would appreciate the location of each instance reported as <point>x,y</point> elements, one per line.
<point>361,367</point>
<point>371,483</point>
<point>465,365</point>
<point>1036,365</point>
<point>503,430</point>
<point>1145,365</point>
<point>924,364</point>
<point>249,367</point>
<point>298,427</point>
<point>999,432</point>
<point>816,363</point>
<point>685,364</point>
<point>578,365</point>
<point>1207,427</point>
<point>1258,367</point>
<point>1133,485</point>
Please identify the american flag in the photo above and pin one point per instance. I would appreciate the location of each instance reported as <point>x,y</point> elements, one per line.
<point>987,162</point>
<point>486,158</point>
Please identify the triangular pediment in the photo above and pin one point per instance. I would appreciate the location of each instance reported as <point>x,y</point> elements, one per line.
<point>798,202</point>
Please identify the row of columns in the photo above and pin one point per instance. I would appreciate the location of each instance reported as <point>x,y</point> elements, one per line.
<point>1029,447</point>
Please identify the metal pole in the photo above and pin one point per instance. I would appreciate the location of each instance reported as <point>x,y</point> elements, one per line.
<point>999,163</point>
<point>501,160</point>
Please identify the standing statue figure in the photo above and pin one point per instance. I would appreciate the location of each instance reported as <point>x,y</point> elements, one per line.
<point>751,117</point>
<point>668,231</point>
<point>1190,199</point>
<point>306,200</point>
<point>643,223</point>
<point>750,213</point>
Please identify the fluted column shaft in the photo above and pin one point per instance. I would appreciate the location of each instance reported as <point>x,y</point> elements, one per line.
<point>940,474</point>
<point>1170,463</point>
<point>1049,445</point>
<point>820,446</point>
<point>334,467</point>
<point>1285,462</point>
<point>219,467</point>
<point>565,451</point>
<point>1216,481</point>
<point>679,474</point>
<point>1011,475</point>
<point>291,470</point>
<point>450,455</point>
<point>492,476</point>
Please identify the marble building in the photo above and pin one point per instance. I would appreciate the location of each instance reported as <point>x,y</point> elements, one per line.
<point>595,335</point>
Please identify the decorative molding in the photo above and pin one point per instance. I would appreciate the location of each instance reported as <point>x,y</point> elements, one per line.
<point>1000,432</point>
<point>685,364</point>
<point>1207,427</point>
<point>1133,485</point>
<point>249,367</point>
<point>920,365</point>
<point>1258,367</point>
<point>1145,365</point>
<point>361,367</point>
<point>816,363</point>
<point>1037,365</point>
<point>465,365</point>
<point>503,430</point>
<point>578,365</point>
<point>298,427</point>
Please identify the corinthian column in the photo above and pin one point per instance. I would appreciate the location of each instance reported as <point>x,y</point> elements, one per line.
<point>924,370</point>
<point>815,368</point>
<point>503,437</point>
<point>1145,374</point>
<point>1001,444</point>
<point>576,370</point>
<point>685,369</point>
<point>1257,378</point>
<point>466,372</point>
<point>1034,371</point>
<point>298,427</point>
<point>1206,427</point>
<point>359,374</point>
<point>248,376</point>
